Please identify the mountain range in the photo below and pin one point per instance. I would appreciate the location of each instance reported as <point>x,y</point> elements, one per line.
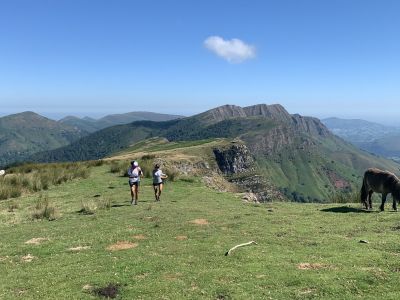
<point>373,137</point>
<point>91,125</point>
<point>26,133</point>
<point>298,155</point>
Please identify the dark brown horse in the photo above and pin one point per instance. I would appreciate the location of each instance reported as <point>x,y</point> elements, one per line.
<point>379,181</point>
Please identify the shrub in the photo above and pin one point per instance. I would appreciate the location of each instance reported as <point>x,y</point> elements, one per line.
<point>37,177</point>
<point>172,174</point>
<point>44,210</point>
<point>14,192</point>
<point>148,157</point>
<point>114,167</point>
<point>147,167</point>
<point>345,197</point>
<point>87,208</point>
<point>12,206</point>
<point>120,167</point>
<point>3,193</point>
<point>95,163</point>
<point>104,203</point>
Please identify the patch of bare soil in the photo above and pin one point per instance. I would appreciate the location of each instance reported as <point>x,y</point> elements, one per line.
<point>311,266</point>
<point>79,248</point>
<point>181,237</point>
<point>140,237</point>
<point>28,258</point>
<point>36,241</point>
<point>199,222</point>
<point>123,245</point>
<point>19,292</point>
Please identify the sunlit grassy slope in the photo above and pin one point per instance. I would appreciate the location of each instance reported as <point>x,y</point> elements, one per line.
<point>303,251</point>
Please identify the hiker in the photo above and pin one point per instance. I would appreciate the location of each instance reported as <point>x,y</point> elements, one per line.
<point>158,177</point>
<point>134,173</point>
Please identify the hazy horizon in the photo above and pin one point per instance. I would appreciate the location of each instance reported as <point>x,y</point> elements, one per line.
<point>59,115</point>
<point>316,58</point>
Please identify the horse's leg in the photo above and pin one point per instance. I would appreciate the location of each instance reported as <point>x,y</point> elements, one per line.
<point>370,200</point>
<point>383,201</point>
<point>394,203</point>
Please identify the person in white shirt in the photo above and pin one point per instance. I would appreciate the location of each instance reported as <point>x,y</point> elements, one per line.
<point>158,183</point>
<point>134,173</point>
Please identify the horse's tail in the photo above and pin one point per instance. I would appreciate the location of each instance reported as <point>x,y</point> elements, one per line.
<point>364,189</point>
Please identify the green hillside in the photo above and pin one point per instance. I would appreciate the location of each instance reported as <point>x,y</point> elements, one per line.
<point>297,155</point>
<point>175,249</point>
<point>26,133</point>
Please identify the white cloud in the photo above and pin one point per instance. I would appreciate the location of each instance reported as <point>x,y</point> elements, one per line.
<point>234,50</point>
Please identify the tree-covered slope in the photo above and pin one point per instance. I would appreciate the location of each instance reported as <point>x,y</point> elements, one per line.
<point>26,133</point>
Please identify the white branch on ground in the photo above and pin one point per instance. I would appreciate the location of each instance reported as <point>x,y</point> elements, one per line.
<point>240,245</point>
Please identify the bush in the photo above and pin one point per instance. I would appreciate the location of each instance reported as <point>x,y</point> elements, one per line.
<point>44,210</point>
<point>120,167</point>
<point>37,177</point>
<point>345,197</point>
<point>95,163</point>
<point>148,157</point>
<point>147,167</point>
<point>87,208</point>
<point>172,174</point>
<point>12,206</point>
<point>104,203</point>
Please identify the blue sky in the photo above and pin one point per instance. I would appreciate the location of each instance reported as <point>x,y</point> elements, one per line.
<point>320,58</point>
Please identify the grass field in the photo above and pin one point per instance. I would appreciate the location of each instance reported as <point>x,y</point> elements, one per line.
<point>175,249</point>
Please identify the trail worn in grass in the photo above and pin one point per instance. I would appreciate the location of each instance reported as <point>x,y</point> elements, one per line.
<point>303,251</point>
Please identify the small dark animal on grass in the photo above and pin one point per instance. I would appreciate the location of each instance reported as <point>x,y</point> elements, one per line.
<point>379,181</point>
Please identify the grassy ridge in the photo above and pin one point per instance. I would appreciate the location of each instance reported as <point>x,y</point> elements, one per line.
<point>303,251</point>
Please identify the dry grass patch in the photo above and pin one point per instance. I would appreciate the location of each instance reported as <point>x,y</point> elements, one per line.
<point>140,237</point>
<point>311,266</point>
<point>181,237</point>
<point>172,277</point>
<point>36,241</point>
<point>307,291</point>
<point>200,222</point>
<point>122,245</point>
<point>87,287</point>
<point>79,248</point>
<point>28,258</point>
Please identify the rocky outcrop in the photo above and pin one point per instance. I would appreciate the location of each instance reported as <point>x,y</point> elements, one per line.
<point>274,112</point>
<point>234,160</point>
<point>222,113</point>
<point>312,126</point>
<point>238,166</point>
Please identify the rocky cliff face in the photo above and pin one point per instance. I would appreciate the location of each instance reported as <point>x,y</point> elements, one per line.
<point>239,167</point>
<point>313,126</point>
<point>274,112</point>
<point>234,160</point>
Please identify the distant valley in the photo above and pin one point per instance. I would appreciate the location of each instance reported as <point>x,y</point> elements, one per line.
<point>373,137</point>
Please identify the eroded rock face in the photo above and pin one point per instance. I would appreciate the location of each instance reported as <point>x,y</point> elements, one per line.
<point>237,164</point>
<point>234,160</point>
